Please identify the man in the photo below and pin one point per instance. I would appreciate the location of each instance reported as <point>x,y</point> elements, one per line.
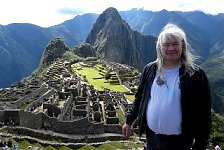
<point>173,101</point>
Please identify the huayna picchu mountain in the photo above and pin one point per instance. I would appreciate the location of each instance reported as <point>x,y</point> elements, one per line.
<point>113,39</point>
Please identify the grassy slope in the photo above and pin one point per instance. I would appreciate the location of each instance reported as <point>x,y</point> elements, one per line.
<point>91,75</point>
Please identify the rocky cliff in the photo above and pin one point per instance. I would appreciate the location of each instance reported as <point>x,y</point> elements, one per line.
<point>113,39</point>
<point>54,50</point>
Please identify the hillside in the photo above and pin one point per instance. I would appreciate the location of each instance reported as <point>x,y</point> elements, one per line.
<point>54,51</point>
<point>22,45</point>
<point>114,40</point>
<point>216,77</point>
<point>151,23</point>
<point>19,55</point>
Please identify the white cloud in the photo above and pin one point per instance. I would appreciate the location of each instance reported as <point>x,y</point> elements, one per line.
<point>70,11</point>
<point>50,12</point>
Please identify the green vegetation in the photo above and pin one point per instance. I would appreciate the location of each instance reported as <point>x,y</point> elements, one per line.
<point>50,148</point>
<point>23,144</point>
<point>64,148</point>
<point>87,147</point>
<point>110,147</point>
<point>217,132</point>
<point>69,55</point>
<point>37,145</point>
<point>99,77</point>
<point>216,78</point>
<point>96,78</point>
<point>130,97</point>
<point>121,116</point>
<point>100,68</point>
<point>26,105</point>
<point>113,145</point>
<point>118,145</point>
<point>84,50</point>
<point>4,130</point>
<point>7,130</point>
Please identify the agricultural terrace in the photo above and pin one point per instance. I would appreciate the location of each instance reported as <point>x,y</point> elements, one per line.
<point>96,76</point>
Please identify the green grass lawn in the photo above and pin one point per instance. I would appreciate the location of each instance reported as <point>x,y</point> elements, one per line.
<point>121,116</point>
<point>87,147</point>
<point>94,78</point>
<point>23,144</point>
<point>131,98</point>
<point>112,145</point>
<point>98,81</point>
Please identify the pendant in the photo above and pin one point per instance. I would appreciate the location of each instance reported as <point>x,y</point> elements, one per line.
<point>160,81</point>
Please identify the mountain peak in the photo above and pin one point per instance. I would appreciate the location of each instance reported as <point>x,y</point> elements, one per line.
<point>109,18</point>
<point>113,39</point>
<point>111,12</point>
<point>108,15</point>
<point>54,50</point>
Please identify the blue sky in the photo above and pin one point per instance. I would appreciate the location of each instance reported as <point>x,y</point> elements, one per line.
<point>47,13</point>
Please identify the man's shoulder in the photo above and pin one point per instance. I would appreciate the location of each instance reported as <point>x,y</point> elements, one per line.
<point>198,68</point>
<point>151,64</point>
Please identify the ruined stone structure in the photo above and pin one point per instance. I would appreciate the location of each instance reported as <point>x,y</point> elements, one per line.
<point>62,103</point>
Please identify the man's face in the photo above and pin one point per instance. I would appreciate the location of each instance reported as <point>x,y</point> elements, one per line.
<point>171,51</point>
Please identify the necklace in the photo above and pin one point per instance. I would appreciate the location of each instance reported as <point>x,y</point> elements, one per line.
<point>161,81</point>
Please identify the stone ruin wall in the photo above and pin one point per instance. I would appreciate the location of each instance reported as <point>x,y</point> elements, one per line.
<point>113,128</point>
<point>66,106</point>
<point>42,121</point>
<point>2,118</point>
<point>71,142</point>
<point>44,135</point>
<point>81,126</point>
<point>30,96</point>
<point>9,115</point>
<point>52,110</point>
<point>31,120</point>
<point>41,99</point>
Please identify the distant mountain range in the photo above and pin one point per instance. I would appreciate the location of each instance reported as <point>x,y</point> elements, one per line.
<point>125,37</point>
<point>21,45</point>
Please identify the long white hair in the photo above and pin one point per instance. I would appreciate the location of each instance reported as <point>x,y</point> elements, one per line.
<point>174,33</point>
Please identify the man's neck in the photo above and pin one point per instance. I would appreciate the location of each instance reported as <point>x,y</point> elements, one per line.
<point>170,65</point>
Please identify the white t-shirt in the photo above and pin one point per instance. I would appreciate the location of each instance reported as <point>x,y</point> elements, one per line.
<point>164,114</point>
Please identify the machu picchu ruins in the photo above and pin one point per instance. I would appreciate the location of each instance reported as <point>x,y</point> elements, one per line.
<point>62,103</point>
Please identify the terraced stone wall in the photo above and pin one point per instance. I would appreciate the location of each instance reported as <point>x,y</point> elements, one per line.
<point>31,120</point>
